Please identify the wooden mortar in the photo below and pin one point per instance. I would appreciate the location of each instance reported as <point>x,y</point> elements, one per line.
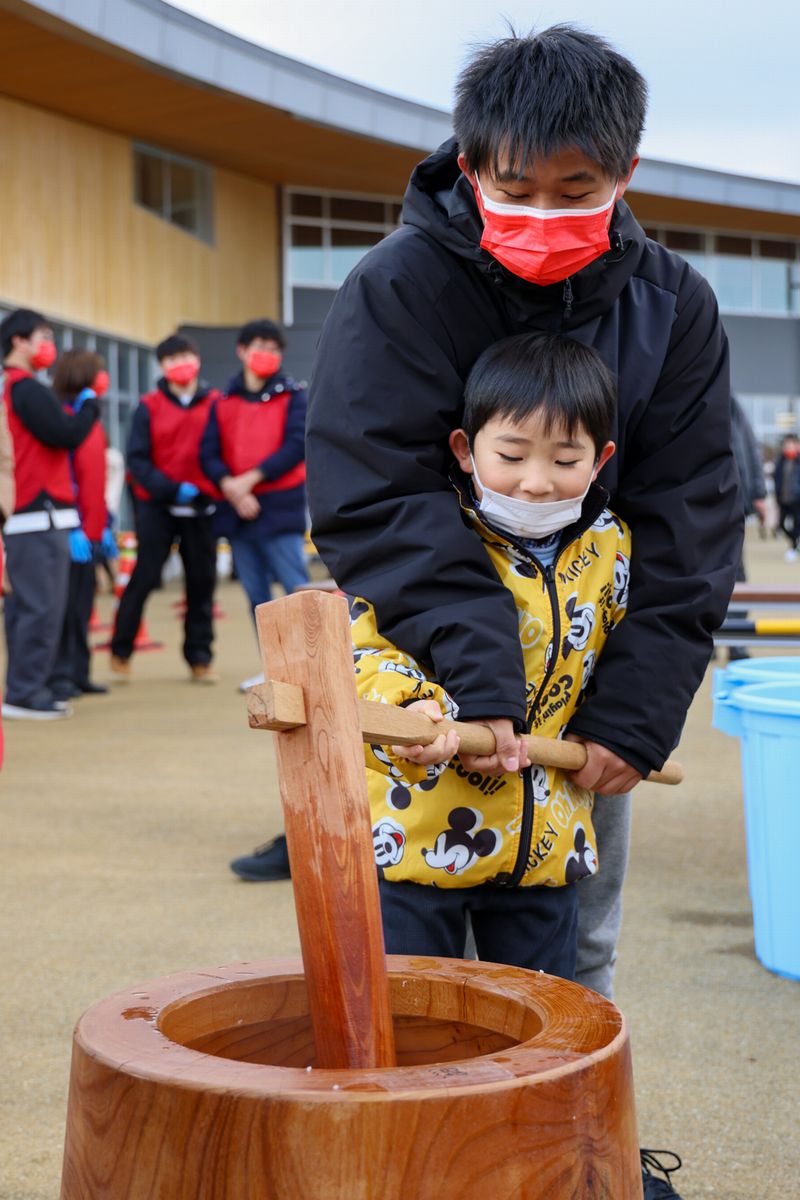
<point>276,1080</point>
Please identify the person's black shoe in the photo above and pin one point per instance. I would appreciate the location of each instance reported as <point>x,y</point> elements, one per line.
<point>267,862</point>
<point>737,653</point>
<point>93,689</point>
<point>653,1187</point>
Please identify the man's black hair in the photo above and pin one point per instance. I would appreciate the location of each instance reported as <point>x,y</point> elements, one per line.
<point>525,98</point>
<point>176,343</point>
<point>22,322</point>
<point>567,382</point>
<point>263,328</point>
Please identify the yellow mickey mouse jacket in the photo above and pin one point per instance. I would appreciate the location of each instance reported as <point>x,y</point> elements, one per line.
<point>448,827</point>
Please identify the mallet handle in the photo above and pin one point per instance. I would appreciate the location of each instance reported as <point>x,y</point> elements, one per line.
<point>280,706</point>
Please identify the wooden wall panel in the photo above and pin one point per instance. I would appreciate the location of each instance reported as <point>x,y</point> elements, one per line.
<point>76,246</point>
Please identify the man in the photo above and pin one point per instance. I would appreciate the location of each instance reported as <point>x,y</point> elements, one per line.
<point>37,533</point>
<point>519,224</point>
<point>174,502</point>
<point>253,450</point>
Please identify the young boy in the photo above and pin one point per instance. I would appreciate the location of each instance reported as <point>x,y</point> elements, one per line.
<point>39,531</point>
<point>174,502</point>
<point>253,450</point>
<point>504,846</point>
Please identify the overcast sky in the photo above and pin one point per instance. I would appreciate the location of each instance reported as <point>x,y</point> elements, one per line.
<point>724,75</point>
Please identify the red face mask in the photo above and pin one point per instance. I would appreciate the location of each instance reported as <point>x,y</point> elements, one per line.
<point>183,373</point>
<point>101,382</point>
<point>263,363</point>
<point>790,452</point>
<point>543,245</point>
<point>44,356</point>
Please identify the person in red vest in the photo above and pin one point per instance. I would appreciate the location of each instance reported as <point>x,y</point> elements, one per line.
<point>253,449</point>
<point>40,531</point>
<point>80,375</point>
<point>174,502</point>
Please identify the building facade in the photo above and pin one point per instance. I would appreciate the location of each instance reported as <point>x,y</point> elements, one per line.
<point>159,173</point>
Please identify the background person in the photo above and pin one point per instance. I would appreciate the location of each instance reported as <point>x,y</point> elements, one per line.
<point>174,502</point>
<point>787,492</point>
<point>749,464</point>
<point>253,450</point>
<point>37,534</point>
<point>81,375</point>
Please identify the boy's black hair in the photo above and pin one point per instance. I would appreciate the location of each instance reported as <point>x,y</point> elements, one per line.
<point>529,97</point>
<point>262,328</point>
<point>176,343</point>
<point>567,382</point>
<point>22,322</point>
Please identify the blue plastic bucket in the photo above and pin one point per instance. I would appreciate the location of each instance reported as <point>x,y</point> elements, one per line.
<point>766,716</point>
<point>777,669</point>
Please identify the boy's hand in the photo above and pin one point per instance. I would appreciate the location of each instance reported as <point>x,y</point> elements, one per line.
<point>511,753</point>
<point>440,751</point>
<point>605,771</point>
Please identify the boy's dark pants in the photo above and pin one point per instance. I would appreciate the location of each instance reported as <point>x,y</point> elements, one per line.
<point>38,571</point>
<point>74,656</point>
<point>156,530</point>
<point>533,927</point>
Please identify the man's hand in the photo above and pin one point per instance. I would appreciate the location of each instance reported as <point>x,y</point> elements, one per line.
<point>236,487</point>
<point>440,751</point>
<point>605,771</point>
<point>760,509</point>
<point>511,753</point>
<point>247,507</point>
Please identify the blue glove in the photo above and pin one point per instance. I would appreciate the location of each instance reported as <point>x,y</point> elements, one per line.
<point>108,544</point>
<point>186,492</point>
<point>87,394</point>
<point>80,548</point>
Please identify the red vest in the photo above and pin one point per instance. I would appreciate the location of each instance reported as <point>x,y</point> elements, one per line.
<point>175,436</point>
<point>89,469</point>
<point>250,432</point>
<point>37,468</point>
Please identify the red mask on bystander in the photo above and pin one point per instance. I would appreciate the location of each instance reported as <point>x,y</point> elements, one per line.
<point>183,373</point>
<point>263,363</point>
<point>100,384</point>
<point>44,356</point>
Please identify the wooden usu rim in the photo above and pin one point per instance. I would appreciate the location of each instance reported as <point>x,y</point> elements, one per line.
<point>565,1027</point>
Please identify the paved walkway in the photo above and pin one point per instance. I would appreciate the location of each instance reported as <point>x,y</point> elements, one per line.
<point>117,827</point>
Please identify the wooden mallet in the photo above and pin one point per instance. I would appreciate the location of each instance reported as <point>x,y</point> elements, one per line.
<point>280,706</point>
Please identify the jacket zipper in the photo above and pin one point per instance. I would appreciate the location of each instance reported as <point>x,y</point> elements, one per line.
<point>568,297</point>
<point>528,806</point>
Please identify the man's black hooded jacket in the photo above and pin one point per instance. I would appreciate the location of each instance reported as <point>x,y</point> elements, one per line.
<point>388,385</point>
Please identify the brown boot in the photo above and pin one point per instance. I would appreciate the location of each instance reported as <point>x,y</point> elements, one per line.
<point>203,673</point>
<point>121,667</point>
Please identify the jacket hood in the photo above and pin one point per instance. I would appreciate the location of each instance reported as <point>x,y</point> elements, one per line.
<point>203,389</point>
<point>275,384</point>
<point>439,200</point>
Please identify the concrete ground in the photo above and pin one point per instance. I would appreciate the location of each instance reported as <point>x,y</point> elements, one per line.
<point>117,827</point>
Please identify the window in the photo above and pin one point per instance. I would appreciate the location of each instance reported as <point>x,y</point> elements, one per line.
<point>176,189</point>
<point>749,275</point>
<point>325,235</point>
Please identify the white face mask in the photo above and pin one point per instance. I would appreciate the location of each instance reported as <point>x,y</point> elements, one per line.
<point>527,518</point>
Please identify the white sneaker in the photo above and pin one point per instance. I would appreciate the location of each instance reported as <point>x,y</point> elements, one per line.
<point>56,712</point>
<point>246,684</point>
<point>790,556</point>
